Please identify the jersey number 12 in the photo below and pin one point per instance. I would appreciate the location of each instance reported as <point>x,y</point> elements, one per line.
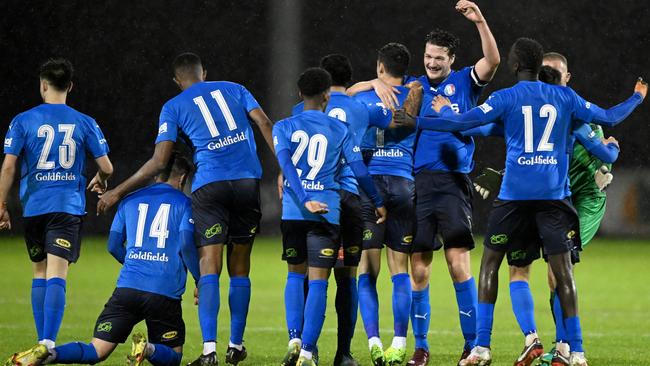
<point>547,111</point>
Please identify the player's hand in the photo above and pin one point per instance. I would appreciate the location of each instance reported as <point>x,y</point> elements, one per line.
<point>382,214</point>
<point>387,93</point>
<point>439,101</point>
<point>280,185</point>
<point>316,207</point>
<point>470,10</point>
<point>196,296</point>
<point>603,178</point>
<point>107,200</point>
<point>403,119</point>
<point>5,219</point>
<point>97,185</point>
<point>641,87</point>
<point>489,181</point>
<point>611,140</point>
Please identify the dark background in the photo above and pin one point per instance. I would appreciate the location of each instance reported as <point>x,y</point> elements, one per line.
<point>122,51</point>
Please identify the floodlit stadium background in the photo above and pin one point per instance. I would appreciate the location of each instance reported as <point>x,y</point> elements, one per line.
<point>122,53</point>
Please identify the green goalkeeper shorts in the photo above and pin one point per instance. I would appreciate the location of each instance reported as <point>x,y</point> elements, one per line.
<point>591,210</point>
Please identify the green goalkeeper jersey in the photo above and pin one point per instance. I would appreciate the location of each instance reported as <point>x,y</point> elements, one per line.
<point>583,168</point>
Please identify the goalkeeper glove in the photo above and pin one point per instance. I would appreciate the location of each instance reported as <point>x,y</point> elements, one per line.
<point>489,181</point>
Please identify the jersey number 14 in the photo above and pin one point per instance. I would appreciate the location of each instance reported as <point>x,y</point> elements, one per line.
<point>158,228</point>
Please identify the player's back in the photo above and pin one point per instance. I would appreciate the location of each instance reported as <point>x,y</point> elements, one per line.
<point>214,117</point>
<point>316,143</point>
<point>538,119</point>
<point>154,218</point>
<point>387,151</point>
<point>447,151</point>
<point>53,140</point>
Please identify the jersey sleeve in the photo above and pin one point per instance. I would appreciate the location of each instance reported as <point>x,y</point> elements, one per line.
<point>167,124</point>
<point>379,116</point>
<point>282,152</point>
<point>591,113</point>
<point>187,223</point>
<point>97,145</point>
<point>15,138</point>
<point>490,111</point>
<point>280,140</point>
<point>248,100</point>
<point>351,149</point>
<point>608,153</point>
<point>119,223</point>
<point>474,83</point>
<point>117,236</point>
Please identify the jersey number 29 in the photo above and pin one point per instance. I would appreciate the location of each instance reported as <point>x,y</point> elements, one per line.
<point>317,148</point>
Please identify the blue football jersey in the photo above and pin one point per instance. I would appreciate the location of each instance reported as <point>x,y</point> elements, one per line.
<point>538,119</point>
<point>386,151</point>
<point>152,219</point>
<point>349,110</point>
<point>447,151</point>
<point>213,115</point>
<point>317,144</point>
<point>52,140</point>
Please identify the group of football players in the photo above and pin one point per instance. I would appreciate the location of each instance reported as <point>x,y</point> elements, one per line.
<point>381,163</point>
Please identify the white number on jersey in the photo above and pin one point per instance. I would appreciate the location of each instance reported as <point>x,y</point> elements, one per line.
<point>223,107</point>
<point>158,227</point>
<point>547,111</point>
<point>339,114</point>
<point>67,149</point>
<point>317,145</point>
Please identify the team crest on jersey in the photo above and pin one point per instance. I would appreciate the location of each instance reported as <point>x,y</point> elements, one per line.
<point>450,90</point>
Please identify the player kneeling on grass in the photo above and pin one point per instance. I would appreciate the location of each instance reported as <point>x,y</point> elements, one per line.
<point>155,222</point>
<point>309,147</point>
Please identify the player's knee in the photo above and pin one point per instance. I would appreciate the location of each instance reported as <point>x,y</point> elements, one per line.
<point>519,273</point>
<point>458,265</point>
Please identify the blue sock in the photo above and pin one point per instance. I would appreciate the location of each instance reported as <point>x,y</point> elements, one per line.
<point>574,331</point>
<point>164,356</point>
<point>523,306</point>
<point>467,299</point>
<point>38,301</point>
<point>484,321</point>
<point>560,328</point>
<point>346,303</point>
<point>294,303</point>
<point>420,317</point>
<point>53,307</point>
<point>209,306</point>
<point>314,313</point>
<point>402,296</point>
<point>239,298</point>
<point>76,352</point>
<point>369,304</point>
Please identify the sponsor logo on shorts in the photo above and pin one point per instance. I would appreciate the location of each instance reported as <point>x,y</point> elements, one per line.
<point>34,251</point>
<point>517,255</point>
<point>407,239</point>
<point>291,253</point>
<point>59,242</point>
<point>104,327</point>
<point>254,230</point>
<point>571,234</point>
<point>367,234</point>
<point>327,252</point>
<point>212,231</point>
<point>353,250</point>
<point>170,335</point>
<point>499,239</point>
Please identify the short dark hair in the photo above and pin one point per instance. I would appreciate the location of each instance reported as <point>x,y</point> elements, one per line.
<point>186,63</point>
<point>339,68</point>
<point>528,54</point>
<point>176,167</point>
<point>395,57</point>
<point>314,81</point>
<point>57,72</point>
<point>442,38</point>
<point>550,75</point>
<point>556,56</point>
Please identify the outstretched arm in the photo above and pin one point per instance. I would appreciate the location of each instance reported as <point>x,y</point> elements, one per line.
<point>146,173</point>
<point>608,153</point>
<point>615,115</point>
<point>486,66</point>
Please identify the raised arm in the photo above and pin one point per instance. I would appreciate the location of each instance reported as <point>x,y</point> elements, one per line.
<point>145,174</point>
<point>487,65</point>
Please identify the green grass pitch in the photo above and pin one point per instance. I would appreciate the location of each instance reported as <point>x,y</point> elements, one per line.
<point>612,281</point>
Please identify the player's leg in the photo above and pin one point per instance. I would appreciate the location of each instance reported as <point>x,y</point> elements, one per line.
<point>345,273</point>
<point>322,249</point>
<point>211,218</point>
<point>399,241</point>
<point>245,215</point>
<point>35,241</point>
<point>166,331</point>
<point>62,244</point>
<point>523,307</point>
<point>294,252</point>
